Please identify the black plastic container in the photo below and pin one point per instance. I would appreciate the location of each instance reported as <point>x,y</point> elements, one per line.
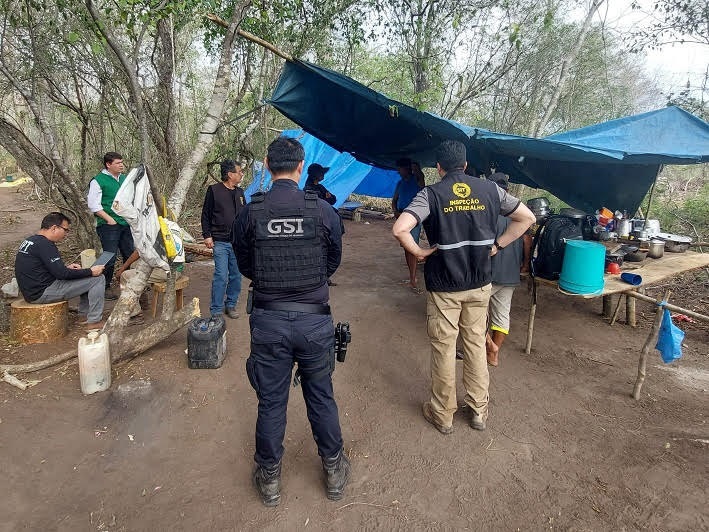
<point>206,343</point>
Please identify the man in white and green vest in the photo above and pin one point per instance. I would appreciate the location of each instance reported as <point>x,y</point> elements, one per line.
<point>113,231</point>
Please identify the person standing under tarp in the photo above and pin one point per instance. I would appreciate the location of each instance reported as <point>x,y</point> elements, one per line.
<point>222,204</point>
<point>316,173</point>
<point>113,231</point>
<point>288,243</point>
<point>506,266</point>
<point>406,189</point>
<point>460,217</point>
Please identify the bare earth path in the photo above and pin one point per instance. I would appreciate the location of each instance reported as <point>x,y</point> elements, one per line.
<point>566,447</point>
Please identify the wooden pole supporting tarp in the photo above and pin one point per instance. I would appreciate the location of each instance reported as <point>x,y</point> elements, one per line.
<point>642,362</point>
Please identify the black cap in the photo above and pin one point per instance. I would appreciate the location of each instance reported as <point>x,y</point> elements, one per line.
<point>500,179</point>
<point>317,169</point>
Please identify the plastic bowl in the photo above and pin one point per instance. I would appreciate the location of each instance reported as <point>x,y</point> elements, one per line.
<point>613,268</point>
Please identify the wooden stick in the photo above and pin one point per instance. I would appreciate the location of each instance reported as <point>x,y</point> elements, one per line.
<point>674,308</point>
<point>11,379</point>
<point>617,310</point>
<point>646,348</point>
<point>251,37</point>
<point>35,366</point>
<point>530,325</point>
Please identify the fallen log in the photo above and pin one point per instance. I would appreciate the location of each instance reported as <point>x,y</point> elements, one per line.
<point>197,249</point>
<point>36,366</point>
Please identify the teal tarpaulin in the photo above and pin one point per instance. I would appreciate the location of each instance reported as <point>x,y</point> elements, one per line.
<point>611,164</point>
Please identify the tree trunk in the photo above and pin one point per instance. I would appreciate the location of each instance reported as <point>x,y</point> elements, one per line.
<point>538,125</point>
<point>213,117</point>
<point>35,164</point>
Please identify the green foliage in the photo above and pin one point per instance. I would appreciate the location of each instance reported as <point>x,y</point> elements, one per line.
<point>681,201</point>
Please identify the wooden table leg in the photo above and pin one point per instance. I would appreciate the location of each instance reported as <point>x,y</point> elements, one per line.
<point>630,312</point>
<point>530,325</point>
<point>608,306</point>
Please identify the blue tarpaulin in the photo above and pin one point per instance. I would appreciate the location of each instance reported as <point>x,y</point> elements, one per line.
<point>611,164</point>
<point>346,174</point>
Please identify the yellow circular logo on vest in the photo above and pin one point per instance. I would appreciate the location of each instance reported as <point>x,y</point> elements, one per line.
<point>461,190</point>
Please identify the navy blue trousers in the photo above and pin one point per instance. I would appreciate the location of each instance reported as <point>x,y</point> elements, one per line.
<point>280,339</point>
<point>115,238</point>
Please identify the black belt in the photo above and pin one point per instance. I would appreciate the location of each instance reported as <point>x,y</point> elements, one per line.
<point>310,308</point>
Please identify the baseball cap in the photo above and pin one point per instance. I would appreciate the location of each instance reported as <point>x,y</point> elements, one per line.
<point>500,179</point>
<point>317,169</point>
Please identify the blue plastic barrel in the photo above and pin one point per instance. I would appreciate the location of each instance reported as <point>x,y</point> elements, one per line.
<point>583,267</point>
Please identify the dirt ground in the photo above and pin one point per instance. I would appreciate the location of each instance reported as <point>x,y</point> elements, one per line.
<point>566,446</point>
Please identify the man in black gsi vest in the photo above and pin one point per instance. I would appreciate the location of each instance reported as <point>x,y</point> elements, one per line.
<point>288,242</point>
<point>459,214</point>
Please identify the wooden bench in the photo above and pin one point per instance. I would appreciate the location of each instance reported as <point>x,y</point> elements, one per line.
<point>158,289</point>
<point>33,323</point>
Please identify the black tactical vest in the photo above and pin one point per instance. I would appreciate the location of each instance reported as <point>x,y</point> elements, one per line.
<point>462,223</point>
<point>290,250</point>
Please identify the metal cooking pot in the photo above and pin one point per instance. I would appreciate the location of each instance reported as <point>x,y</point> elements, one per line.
<point>656,249</point>
<point>625,227</point>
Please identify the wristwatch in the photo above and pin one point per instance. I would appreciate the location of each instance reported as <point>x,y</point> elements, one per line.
<point>497,245</point>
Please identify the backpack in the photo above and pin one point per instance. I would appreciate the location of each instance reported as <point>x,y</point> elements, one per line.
<point>549,244</point>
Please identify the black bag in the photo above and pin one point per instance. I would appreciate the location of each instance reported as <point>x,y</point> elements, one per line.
<point>549,243</point>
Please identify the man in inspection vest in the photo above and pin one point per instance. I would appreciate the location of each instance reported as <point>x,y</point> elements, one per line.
<point>459,214</point>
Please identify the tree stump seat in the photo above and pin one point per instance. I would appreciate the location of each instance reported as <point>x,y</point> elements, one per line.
<point>34,323</point>
<point>158,289</point>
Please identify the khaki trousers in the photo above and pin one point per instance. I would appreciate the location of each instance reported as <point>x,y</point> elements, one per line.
<point>450,313</point>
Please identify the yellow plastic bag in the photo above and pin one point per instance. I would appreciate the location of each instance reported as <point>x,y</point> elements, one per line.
<point>168,240</point>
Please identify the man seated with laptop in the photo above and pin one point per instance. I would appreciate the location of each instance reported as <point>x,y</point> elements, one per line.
<point>43,277</point>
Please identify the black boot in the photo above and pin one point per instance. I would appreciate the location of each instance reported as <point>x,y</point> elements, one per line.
<point>337,473</point>
<point>268,484</point>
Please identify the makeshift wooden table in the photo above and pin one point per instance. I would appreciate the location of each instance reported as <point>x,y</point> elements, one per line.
<point>651,271</point>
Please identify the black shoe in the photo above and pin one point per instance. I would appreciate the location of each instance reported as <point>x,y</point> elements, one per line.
<point>337,473</point>
<point>268,484</point>
<point>108,295</point>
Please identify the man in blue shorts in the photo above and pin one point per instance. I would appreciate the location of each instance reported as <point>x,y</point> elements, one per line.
<point>405,191</point>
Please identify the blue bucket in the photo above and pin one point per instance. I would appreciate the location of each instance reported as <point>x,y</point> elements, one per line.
<point>583,267</point>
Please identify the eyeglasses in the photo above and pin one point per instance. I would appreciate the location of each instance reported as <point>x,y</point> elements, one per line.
<point>66,229</point>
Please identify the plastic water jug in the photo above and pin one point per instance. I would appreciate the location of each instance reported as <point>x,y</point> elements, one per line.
<point>94,363</point>
<point>88,257</point>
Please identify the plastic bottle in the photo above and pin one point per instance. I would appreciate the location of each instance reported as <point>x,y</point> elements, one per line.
<point>94,363</point>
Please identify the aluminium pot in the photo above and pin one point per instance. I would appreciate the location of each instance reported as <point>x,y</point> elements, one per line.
<point>656,249</point>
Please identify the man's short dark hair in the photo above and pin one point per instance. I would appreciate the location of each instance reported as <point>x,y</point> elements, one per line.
<point>284,155</point>
<point>404,162</point>
<point>54,218</point>
<point>110,157</point>
<point>451,155</point>
<point>226,166</point>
